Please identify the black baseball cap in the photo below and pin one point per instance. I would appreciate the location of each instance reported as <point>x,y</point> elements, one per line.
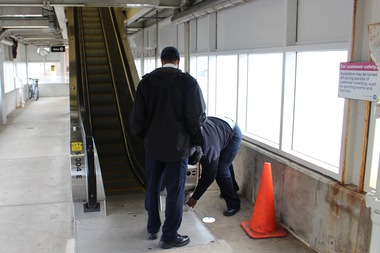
<point>170,53</point>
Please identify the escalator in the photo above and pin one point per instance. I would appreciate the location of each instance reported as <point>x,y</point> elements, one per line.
<point>105,89</point>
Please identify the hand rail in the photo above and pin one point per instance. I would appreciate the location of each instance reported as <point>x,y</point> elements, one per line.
<point>92,200</point>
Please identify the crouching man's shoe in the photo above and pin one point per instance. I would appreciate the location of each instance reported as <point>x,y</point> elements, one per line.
<point>152,236</point>
<point>231,211</point>
<point>181,240</point>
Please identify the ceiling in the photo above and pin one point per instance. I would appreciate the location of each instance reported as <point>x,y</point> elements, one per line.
<point>43,23</point>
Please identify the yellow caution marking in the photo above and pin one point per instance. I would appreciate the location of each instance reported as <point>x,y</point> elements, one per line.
<point>76,146</point>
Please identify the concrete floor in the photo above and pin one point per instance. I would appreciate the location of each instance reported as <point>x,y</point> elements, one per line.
<point>36,211</point>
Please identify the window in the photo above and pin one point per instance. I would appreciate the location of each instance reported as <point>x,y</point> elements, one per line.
<point>264,97</point>
<point>20,76</point>
<point>289,121</point>
<point>226,85</point>
<point>201,73</point>
<point>149,65</point>
<point>317,129</point>
<point>374,161</point>
<point>9,84</point>
<point>46,72</point>
<point>138,66</point>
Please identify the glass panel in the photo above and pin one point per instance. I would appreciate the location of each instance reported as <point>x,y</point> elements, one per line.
<point>202,75</point>
<point>52,72</point>
<point>48,72</point>
<point>318,125</point>
<point>226,86</point>
<point>264,96</point>
<point>181,65</point>
<point>149,65</point>
<point>375,163</point>
<point>9,84</point>
<point>21,74</point>
<point>36,70</point>
<point>138,66</point>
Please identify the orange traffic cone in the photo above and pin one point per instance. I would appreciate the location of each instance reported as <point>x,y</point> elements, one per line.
<point>263,223</point>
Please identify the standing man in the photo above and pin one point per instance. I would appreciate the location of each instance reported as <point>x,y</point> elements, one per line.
<point>168,112</point>
<point>222,139</point>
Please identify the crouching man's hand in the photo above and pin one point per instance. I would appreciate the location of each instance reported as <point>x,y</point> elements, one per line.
<point>192,202</point>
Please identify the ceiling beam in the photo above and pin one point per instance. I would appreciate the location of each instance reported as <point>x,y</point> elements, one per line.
<point>61,17</point>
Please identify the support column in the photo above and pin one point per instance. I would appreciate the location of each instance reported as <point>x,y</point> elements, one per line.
<point>186,27</point>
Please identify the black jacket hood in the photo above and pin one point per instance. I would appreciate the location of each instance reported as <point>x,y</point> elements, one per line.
<point>155,77</point>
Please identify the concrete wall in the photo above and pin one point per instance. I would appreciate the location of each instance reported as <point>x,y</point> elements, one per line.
<point>53,89</point>
<point>321,212</point>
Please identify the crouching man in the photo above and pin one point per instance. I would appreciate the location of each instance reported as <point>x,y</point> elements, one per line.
<point>222,139</point>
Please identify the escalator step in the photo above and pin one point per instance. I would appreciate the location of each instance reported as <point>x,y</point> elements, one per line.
<point>108,136</point>
<point>110,149</point>
<point>95,78</point>
<point>100,88</point>
<point>116,160</point>
<point>106,123</point>
<point>103,110</point>
<point>97,61</point>
<point>98,70</point>
<point>102,99</point>
<point>92,24</point>
<point>121,191</point>
<point>93,32</point>
<point>94,45</point>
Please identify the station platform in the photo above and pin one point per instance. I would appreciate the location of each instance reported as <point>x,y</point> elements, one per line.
<point>36,209</point>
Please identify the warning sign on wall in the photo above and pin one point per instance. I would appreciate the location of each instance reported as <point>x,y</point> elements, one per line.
<point>359,80</point>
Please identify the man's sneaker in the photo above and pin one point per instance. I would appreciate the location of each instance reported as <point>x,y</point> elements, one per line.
<point>180,241</point>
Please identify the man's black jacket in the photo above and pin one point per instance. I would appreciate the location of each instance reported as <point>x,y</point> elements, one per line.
<point>168,112</point>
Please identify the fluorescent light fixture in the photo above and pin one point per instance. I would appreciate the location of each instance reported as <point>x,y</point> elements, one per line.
<point>21,16</point>
<point>23,26</point>
<point>141,5</point>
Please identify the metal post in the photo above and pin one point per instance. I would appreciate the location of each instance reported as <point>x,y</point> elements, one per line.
<point>157,52</point>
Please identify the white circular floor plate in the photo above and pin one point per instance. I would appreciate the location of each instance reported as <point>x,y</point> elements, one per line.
<point>208,219</point>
